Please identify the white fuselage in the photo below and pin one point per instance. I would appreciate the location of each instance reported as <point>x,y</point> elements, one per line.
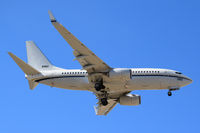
<point>140,79</point>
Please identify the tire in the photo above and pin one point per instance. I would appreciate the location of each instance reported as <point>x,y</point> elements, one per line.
<point>169,93</point>
<point>97,86</point>
<point>104,101</point>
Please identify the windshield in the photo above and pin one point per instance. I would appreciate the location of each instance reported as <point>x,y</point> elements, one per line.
<point>178,72</point>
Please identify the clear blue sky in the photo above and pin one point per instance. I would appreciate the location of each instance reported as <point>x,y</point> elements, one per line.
<point>128,33</point>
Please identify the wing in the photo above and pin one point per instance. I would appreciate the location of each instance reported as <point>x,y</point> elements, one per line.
<point>112,102</point>
<point>88,60</point>
<point>104,110</point>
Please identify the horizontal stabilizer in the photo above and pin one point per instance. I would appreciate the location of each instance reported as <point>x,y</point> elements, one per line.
<point>26,68</point>
<point>32,84</point>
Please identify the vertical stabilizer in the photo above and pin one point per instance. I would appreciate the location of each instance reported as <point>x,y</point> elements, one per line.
<point>36,58</point>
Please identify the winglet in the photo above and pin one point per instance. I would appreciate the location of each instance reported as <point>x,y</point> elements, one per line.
<point>52,18</point>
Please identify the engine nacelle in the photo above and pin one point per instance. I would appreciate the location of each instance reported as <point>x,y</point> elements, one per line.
<point>120,74</point>
<point>130,99</point>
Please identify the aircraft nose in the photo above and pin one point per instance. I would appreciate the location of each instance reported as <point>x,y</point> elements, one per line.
<point>188,81</point>
<point>185,81</point>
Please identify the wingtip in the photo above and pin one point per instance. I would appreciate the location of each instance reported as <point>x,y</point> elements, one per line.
<point>10,53</point>
<point>52,18</point>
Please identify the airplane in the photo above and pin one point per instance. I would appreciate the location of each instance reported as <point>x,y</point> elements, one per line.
<point>110,85</point>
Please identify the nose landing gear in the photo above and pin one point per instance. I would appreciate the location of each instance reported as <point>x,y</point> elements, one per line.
<point>172,89</point>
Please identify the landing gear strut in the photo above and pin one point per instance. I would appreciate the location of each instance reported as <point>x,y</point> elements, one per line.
<point>103,94</point>
<point>99,85</point>
<point>172,89</point>
<point>169,93</point>
<point>104,101</point>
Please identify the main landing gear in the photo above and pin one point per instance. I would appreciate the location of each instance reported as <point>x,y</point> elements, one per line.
<point>99,85</point>
<point>104,101</point>
<point>104,98</point>
<point>103,94</point>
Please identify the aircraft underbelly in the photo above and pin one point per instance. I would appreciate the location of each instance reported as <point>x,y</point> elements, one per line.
<point>167,82</point>
<point>144,83</point>
<point>136,83</point>
<point>78,83</point>
<point>152,82</point>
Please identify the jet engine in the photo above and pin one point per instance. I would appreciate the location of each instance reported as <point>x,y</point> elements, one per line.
<point>130,99</point>
<point>120,74</point>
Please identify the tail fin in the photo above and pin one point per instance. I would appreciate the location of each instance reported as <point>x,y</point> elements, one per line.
<point>26,68</point>
<point>36,58</point>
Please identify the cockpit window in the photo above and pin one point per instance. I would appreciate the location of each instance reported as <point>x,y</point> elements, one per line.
<point>178,72</point>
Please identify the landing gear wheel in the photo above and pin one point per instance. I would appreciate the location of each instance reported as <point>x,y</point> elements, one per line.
<point>169,93</point>
<point>99,86</point>
<point>104,101</point>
